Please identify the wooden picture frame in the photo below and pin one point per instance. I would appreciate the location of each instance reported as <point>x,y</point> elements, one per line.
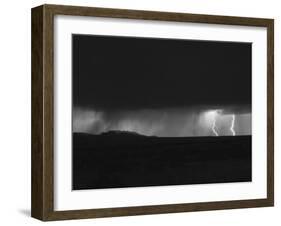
<point>42,205</point>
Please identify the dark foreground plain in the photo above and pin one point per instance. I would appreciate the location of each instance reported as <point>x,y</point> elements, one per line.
<point>122,159</point>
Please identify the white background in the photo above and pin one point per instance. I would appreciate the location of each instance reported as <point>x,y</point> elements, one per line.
<point>15,112</point>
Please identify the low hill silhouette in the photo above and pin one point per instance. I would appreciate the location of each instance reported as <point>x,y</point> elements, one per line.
<point>122,133</point>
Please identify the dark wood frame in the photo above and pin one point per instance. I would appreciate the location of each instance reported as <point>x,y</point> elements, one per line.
<point>42,204</point>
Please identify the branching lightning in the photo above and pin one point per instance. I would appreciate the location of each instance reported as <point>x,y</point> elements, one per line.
<point>232,125</point>
<point>217,117</point>
<point>214,125</point>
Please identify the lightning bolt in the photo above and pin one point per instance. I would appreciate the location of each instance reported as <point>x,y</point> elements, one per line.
<point>232,125</point>
<point>214,126</point>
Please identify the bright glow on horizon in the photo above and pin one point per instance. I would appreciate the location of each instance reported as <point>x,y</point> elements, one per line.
<point>165,123</point>
<point>214,115</point>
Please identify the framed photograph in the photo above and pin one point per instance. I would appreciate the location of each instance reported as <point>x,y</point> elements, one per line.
<point>141,112</point>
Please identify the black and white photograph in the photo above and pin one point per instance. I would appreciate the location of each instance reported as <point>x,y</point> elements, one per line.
<point>159,112</point>
<point>138,112</point>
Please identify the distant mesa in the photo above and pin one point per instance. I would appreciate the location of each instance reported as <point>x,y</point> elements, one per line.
<point>121,132</point>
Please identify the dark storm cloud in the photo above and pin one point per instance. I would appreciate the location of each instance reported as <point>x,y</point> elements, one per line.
<point>113,74</point>
<point>161,87</point>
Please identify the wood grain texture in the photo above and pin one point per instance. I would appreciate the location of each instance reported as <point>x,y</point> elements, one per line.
<point>157,209</point>
<point>270,111</point>
<point>154,15</point>
<point>37,186</point>
<point>43,122</point>
<point>42,203</point>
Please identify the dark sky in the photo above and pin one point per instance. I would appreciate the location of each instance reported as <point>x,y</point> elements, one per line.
<point>120,74</point>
